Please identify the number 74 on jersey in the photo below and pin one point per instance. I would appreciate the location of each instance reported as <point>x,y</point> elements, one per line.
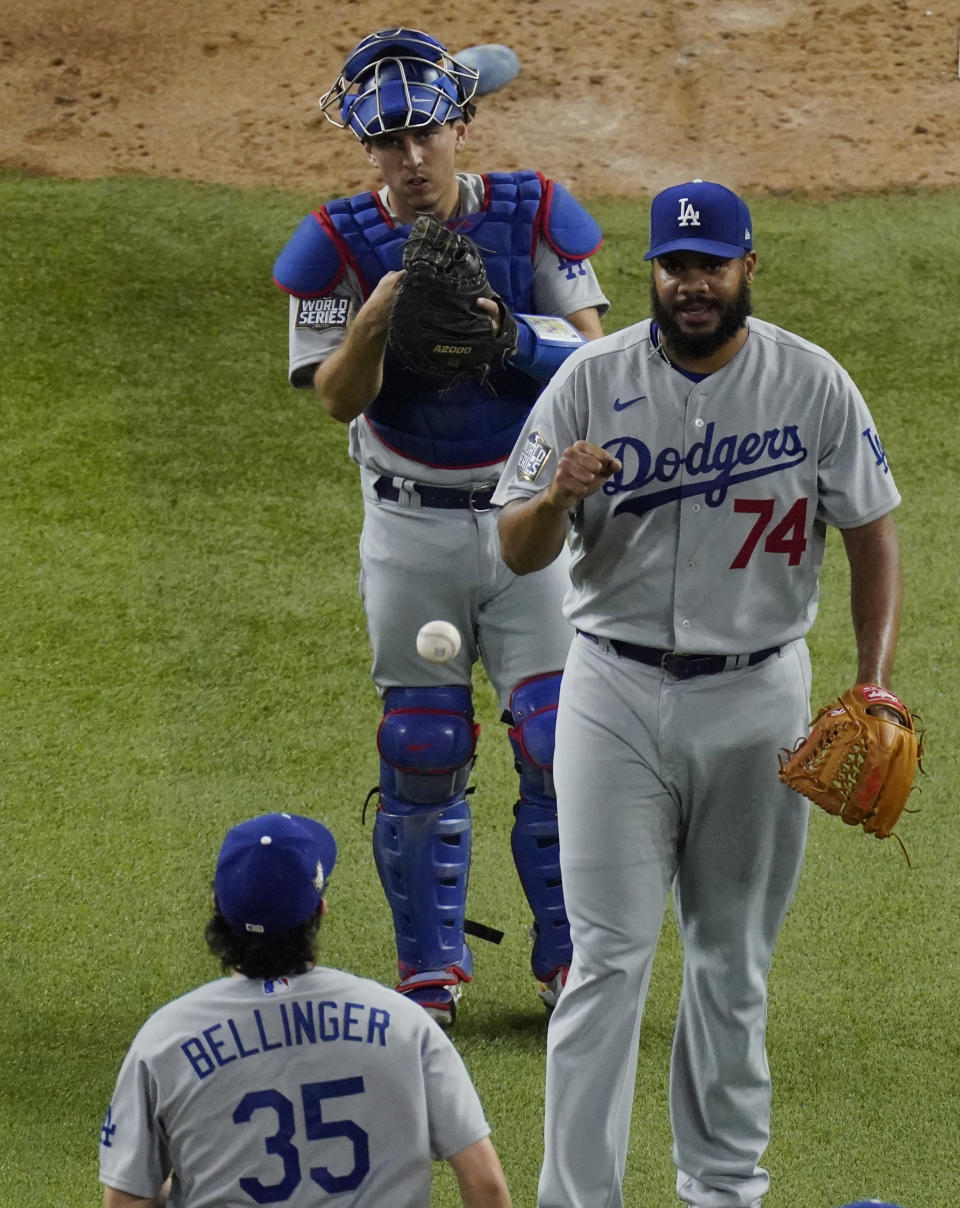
<point>786,536</point>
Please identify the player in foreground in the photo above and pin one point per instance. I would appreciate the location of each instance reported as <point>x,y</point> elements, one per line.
<point>287,1082</point>
<point>429,456</point>
<point>695,460</point>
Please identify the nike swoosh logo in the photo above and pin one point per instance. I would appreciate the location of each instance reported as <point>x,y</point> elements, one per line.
<point>618,406</point>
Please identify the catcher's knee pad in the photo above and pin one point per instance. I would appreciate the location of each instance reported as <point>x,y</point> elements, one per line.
<point>427,739</point>
<point>421,837</point>
<point>535,839</point>
<point>533,717</point>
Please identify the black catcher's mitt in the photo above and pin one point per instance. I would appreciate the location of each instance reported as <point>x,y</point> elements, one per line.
<point>436,328</point>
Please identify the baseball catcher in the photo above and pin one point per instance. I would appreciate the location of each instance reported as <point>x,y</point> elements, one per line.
<point>427,315</point>
<point>436,327</point>
<point>856,763</point>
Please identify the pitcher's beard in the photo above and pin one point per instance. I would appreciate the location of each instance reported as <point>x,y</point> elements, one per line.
<point>698,346</point>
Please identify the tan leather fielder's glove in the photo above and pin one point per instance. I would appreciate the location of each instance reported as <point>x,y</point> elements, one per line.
<point>856,764</point>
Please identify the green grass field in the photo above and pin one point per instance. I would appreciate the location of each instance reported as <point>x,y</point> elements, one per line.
<point>184,647</point>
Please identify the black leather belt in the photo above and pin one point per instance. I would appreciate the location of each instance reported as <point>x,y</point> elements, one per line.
<point>477,499</point>
<point>683,666</point>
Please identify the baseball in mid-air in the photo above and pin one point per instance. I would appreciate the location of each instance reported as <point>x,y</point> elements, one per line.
<point>438,641</point>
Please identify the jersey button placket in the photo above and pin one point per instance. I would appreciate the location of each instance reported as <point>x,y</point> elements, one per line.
<point>690,529</point>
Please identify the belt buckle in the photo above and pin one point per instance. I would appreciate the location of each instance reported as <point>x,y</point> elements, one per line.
<point>472,498</point>
<point>687,666</point>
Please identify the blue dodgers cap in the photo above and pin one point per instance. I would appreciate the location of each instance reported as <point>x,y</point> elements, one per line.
<point>271,872</point>
<point>699,216</point>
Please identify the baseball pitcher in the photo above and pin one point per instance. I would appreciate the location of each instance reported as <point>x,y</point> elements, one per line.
<point>694,461</point>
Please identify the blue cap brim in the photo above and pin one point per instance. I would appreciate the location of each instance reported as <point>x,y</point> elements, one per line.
<point>726,251</point>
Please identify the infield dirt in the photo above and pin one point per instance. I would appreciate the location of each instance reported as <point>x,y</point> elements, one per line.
<point>614,98</point>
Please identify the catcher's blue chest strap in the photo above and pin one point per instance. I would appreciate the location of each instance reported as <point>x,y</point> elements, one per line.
<point>468,425</point>
<point>518,208</point>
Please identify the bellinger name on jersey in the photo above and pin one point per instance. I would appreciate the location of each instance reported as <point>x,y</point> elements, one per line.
<point>284,1025</point>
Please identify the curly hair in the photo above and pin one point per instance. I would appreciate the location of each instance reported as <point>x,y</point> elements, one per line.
<point>263,956</point>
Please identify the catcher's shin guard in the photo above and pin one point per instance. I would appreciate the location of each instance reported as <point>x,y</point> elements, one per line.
<point>421,837</point>
<point>535,840</point>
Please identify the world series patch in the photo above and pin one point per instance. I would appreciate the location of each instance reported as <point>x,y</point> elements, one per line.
<point>317,314</point>
<point>533,457</point>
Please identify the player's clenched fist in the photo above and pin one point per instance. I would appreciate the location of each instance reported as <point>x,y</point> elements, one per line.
<point>533,530</point>
<point>582,469</point>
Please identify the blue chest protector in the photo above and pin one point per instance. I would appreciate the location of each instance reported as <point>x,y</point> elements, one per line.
<point>471,424</point>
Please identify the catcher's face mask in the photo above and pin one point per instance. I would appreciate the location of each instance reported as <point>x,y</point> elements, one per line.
<point>399,79</point>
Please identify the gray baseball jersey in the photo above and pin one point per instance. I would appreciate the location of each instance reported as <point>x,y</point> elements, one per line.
<point>726,490</point>
<point>708,542</point>
<point>290,1092</point>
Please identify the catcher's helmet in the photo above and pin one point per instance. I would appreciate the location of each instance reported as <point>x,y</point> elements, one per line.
<point>396,79</point>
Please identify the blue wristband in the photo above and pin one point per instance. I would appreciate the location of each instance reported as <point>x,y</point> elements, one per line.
<point>543,343</point>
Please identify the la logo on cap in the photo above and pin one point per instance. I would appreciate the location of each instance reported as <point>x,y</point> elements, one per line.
<point>688,215</point>
<point>699,216</point>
